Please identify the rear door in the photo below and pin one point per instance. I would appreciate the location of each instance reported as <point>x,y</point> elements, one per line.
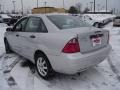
<point>14,38</point>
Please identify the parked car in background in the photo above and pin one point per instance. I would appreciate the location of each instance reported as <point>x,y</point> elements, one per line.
<point>4,18</point>
<point>94,22</point>
<point>97,20</point>
<point>60,43</point>
<point>12,21</point>
<point>116,21</point>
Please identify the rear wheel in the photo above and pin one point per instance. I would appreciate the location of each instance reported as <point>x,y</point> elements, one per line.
<point>43,66</point>
<point>7,47</point>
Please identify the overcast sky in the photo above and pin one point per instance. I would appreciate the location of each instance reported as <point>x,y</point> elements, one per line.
<point>28,4</point>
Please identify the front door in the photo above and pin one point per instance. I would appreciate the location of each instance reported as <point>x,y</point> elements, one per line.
<point>14,36</point>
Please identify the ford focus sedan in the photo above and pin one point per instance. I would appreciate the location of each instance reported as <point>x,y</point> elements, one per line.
<point>57,43</point>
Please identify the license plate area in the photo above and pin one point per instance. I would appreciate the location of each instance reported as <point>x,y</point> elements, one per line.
<point>96,39</point>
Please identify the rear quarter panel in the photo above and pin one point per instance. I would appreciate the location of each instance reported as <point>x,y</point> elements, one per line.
<point>53,43</point>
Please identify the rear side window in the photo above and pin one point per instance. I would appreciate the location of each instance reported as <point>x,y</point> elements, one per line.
<point>67,22</point>
<point>35,24</point>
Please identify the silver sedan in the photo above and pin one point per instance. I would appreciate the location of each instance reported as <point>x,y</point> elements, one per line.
<point>59,43</point>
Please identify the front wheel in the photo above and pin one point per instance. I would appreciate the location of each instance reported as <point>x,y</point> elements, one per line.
<point>43,66</point>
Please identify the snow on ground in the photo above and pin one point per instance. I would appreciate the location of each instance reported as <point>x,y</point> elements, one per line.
<point>18,74</point>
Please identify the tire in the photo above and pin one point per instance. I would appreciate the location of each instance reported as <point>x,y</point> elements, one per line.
<point>7,47</point>
<point>43,66</point>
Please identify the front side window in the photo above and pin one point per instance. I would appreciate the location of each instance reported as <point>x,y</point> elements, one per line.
<point>35,24</point>
<point>20,26</point>
<point>67,22</point>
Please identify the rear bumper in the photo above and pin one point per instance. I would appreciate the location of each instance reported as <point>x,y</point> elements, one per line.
<point>73,63</point>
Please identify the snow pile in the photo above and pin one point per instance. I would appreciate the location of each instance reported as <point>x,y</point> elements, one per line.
<point>2,48</point>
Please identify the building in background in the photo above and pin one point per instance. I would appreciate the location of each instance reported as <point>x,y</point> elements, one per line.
<point>42,10</point>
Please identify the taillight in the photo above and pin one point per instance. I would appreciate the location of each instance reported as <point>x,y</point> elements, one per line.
<point>72,46</point>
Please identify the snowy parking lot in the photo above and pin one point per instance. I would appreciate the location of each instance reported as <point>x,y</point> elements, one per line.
<point>18,74</point>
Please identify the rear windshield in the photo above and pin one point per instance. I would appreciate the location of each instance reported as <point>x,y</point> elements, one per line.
<point>67,22</point>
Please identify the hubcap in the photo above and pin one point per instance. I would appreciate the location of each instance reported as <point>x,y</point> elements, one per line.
<point>42,66</point>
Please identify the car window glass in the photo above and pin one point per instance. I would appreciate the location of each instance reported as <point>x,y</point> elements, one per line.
<point>21,25</point>
<point>67,22</point>
<point>35,24</point>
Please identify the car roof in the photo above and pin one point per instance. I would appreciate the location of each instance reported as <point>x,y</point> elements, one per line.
<point>48,14</point>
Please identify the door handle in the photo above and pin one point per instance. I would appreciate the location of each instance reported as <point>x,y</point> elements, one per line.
<point>17,35</point>
<point>32,36</point>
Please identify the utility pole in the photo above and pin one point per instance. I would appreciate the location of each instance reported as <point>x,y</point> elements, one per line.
<point>14,5</point>
<point>98,5</point>
<point>63,4</point>
<point>94,5</point>
<point>91,4</point>
<point>22,6</point>
<point>0,8</point>
<point>106,5</point>
<point>37,3</point>
<point>45,6</point>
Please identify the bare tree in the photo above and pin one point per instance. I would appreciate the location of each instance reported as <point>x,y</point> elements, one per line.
<point>78,6</point>
<point>86,10</point>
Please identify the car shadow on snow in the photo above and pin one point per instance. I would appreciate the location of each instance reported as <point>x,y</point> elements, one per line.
<point>94,77</point>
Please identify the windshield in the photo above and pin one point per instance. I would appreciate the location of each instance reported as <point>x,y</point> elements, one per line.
<point>67,22</point>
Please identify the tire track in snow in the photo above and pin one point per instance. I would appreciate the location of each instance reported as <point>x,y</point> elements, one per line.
<point>114,69</point>
<point>7,67</point>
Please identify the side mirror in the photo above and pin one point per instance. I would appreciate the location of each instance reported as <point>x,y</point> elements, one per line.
<point>9,29</point>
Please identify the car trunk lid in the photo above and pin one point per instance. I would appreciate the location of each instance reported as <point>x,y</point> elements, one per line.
<point>91,39</point>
